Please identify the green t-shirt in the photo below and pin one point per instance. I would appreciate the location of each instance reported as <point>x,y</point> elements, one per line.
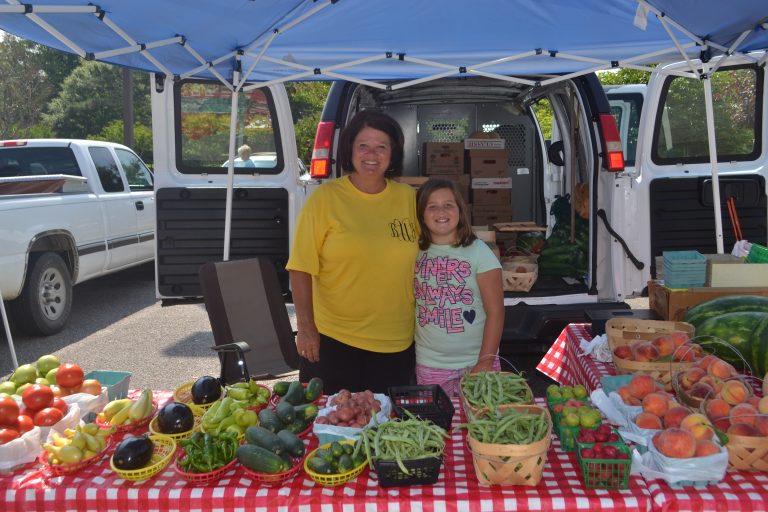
<point>450,316</point>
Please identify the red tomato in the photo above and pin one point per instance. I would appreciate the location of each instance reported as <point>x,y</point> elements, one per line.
<point>48,417</point>
<point>8,434</point>
<point>25,423</point>
<point>60,404</point>
<point>9,410</point>
<point>37,397</point>
<point>69,375</point>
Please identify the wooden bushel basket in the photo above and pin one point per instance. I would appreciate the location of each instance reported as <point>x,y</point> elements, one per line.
<point>514,281</point>
<point>748,453</point>
<point>472,411</point>
<point>511,464</point>
<point>625,331</point>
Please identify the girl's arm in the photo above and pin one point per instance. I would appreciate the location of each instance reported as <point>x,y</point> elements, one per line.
<point>493,302</point>
<point>307,338</point>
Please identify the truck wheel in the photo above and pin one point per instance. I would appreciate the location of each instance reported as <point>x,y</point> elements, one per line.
<point>45,302</point>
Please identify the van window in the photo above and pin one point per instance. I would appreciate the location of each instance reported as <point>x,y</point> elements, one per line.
<point>626,110</point>
<point>202,124</point>
<point>737,94</point>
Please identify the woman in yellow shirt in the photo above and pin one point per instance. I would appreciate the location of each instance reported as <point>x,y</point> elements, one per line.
<point>351,266</point>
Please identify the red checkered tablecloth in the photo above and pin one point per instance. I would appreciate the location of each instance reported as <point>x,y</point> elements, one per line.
<point>98,488</point>
<point>740,490</point>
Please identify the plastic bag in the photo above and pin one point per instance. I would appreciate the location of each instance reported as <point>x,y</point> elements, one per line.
<point>741,248</point>
<point>351,432</point>
<point>70,420</point>
<point>21,451</point>
<point>652,465</point>
<point>641,436</point>
<point>614,408</point>
<point>87,402</point>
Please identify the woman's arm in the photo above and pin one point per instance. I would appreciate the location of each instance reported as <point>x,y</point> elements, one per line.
<point>493,302</point>
<point>307,338</point>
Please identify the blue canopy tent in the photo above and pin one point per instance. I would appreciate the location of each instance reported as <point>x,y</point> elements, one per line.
<point>252,43</point>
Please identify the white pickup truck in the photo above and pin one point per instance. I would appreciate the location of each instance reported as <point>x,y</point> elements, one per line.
<point>70,210</point>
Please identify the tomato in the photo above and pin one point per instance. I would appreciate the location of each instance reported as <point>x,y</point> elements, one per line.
<point>9,410</point>
<point>25,423</point>
<point>91,386</point>
<point>37,396</point>
<point>8,434</point>
<point>60,404</point>
<point>69,375</point>
<point>48,417</point>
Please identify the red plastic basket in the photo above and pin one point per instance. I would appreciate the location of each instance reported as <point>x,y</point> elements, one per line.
<point>66,469</point>
<point>202,478</point>
<point>130,427</point>
<point>276,478</point>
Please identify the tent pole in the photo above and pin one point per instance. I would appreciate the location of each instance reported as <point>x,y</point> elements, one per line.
<point>231,168</point>
<point>707,79</point>
<point>8,333</point>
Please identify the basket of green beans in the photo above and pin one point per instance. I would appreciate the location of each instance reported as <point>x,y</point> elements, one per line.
<point>509,444</point>
<point>491,389</point>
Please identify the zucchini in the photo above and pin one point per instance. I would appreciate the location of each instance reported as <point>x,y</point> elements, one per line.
<point>319,465</point>
<point>264,438</point>
<point>280,388</point>
<point>314,389</point>
<point>270,421</point>
<point>261,460</point>
<point>285,412</point>
<point>305,412</point>
<point>295,393</point>
<point>292,443</point>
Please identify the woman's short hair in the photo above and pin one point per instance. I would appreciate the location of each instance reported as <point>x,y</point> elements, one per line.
<point>378,121</point>
<point>464,234</point>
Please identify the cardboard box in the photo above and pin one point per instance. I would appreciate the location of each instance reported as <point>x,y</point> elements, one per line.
<point>672,304</point>
<point>414,181</point>
<point>728,270</point>
<point>488,163</point>
<point>500,196</point>
<point>463,180</point>
<point>485,235</point>
<point>491,214</point>
<point>443,158</point>
<point>491,183</point>
<point>484,143</point>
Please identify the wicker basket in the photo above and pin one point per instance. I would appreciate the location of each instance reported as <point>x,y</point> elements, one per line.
<point>514,281</point>
<point>471,411</point>
<point>510,464</point>
<point>625,331</point>
<point>748,453</point>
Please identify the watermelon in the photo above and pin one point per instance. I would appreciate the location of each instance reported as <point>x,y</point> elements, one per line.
<point>759,349</point>
<point>727,304</point>
<point>737,329</point>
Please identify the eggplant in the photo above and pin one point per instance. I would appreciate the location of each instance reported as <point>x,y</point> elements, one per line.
<point>175,418</point>
<point>133,453</point>
<point>206,390</point>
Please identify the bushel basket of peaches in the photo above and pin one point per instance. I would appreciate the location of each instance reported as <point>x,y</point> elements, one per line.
<point>652,347</point>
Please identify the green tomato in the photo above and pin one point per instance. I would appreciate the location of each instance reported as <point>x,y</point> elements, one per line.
<point>567,392</point>
<point>571,419</point>
<point>7,387</point>
<point>579,391</point>
<point>51,375</point>
<point>553,388</point>
<point>24,374</point>
<point>42,380</point>
<point>47,363</point>
<point>20,389</point>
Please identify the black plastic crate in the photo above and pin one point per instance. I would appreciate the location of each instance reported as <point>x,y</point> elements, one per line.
<point>424,471</point>
<point>428,402</point>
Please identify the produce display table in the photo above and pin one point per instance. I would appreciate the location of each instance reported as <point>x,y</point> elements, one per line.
<point>740,490</point>
<point>98,488</point>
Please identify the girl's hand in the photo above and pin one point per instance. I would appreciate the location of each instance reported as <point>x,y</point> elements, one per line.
<point>485,365</point>
<point>308,344</point>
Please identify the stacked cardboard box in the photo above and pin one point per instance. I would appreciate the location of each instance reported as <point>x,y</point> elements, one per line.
<point>491,185</point>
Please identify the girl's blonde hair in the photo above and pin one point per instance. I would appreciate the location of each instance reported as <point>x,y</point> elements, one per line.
<point>464,234</point>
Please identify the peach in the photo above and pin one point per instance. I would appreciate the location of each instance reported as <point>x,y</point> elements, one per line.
<point>742,429</point>
<point>641,385</point>
<point>743,413</point>
<point>762,405</point>
<point>754,401</point>
<point>648,420</point>
<point>624,393</point>
<point>691,376</point>
<point>698,425</point>
<point>703,363</point>
<point>679,337</point>
<point>720,369</point>
<point>623,352</point>
<point>734,392</point>
<point>644,351</point>
<point>722,424</point>
<point>635,402</point>
<point>706,447</point>
<point>674,416</point>
<point>713,382</point>
<point>676,443</point>
<point>701,390</point>
<point>655,403</point>
<point>761,424</point>
<point>687,352</point>
<point>717,408</point>
<point>665,345</point>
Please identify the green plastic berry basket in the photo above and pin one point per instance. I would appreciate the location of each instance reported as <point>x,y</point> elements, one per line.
<point>606,473</point>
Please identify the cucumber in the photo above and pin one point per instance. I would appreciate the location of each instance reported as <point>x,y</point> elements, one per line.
<point>270,421</point>
<point>298,426</point>
<point>336,450</point>
<point>285,412</point>
<point>358,458</point>
<point>264,438</point>
<point>305,412</point>
<point>699,313</point>
<point>260,460</point>
<point>348,448</point>
<point>314,389</point>
<point>280,388</point>
<point>292,443</point>
<point>295,393</point>
<point>319,465</point>
<point>345,463</point>
<point>324,454</point>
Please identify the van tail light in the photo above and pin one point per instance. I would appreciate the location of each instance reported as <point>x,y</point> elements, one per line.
<point>613,160</point>
<point>320,167</point>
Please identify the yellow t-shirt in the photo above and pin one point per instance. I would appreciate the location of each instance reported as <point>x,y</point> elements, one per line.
<point>360,250</point>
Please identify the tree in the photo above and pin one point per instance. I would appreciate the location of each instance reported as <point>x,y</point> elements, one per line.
<point>91,98</point>
<point>307,100</point>
<point>623,77</point>
<point>24,89</point>
<point>57,65</point>
<point>142,135</point>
